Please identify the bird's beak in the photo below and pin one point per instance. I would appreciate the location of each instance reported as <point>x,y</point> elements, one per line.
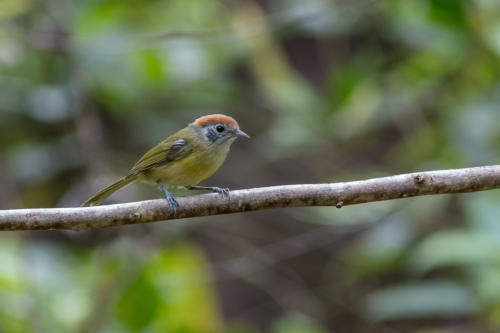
<point>241,133</point>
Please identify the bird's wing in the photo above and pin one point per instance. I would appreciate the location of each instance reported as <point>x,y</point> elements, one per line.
<point>166,151</point>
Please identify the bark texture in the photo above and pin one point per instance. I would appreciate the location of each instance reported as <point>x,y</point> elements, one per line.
<point>331,194</point>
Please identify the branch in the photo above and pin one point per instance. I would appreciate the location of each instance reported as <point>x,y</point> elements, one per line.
<point>335,194</point>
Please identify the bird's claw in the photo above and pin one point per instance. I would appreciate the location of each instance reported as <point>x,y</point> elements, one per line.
<point>172,203</point>
<point>221,190</point>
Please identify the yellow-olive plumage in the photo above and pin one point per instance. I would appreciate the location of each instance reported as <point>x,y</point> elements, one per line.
<point>185,158</point>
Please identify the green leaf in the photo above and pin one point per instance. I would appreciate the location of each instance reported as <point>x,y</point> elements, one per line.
<point>139,304</point>
<point>296,323</point>
<point>416,300</point>
<point>188,304</point>
<point>452,248</point>
<point>448,12</point>
<point>380,248</point>
<point>482,210</point>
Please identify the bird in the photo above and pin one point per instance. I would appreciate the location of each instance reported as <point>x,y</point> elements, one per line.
<point>183,159</point>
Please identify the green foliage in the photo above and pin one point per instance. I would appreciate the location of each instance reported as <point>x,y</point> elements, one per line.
<point>296,324</point>
<point>430,299</point>
<point>139,304</point>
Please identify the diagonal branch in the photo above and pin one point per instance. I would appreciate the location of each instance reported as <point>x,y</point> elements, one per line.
<point>334,194</point>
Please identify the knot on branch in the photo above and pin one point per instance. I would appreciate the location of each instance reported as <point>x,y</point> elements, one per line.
<point>419,179</point>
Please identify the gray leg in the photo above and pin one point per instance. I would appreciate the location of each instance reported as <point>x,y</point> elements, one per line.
<point>170,198</point>
<point>221,190</point>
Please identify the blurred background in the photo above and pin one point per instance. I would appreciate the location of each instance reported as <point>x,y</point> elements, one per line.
<point>329,90</point>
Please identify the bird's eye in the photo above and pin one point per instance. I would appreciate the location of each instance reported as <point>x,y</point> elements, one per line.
<point>220,128</point>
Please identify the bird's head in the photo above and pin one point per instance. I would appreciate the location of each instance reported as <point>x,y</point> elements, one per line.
<point>218,129</point>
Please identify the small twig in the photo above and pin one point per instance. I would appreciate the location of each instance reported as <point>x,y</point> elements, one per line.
<point>336,194</point>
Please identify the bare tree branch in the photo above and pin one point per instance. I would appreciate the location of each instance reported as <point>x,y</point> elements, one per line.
<point>335,194</point>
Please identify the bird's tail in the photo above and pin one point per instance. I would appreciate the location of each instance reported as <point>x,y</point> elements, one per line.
<point>97,198</point>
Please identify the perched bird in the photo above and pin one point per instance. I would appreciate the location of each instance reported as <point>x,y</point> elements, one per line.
<point>185,158</point>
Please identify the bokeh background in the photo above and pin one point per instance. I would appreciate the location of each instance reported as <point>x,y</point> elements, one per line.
<point>329,90</point>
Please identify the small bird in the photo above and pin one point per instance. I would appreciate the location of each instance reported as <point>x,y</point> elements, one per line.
<point>185,158</point>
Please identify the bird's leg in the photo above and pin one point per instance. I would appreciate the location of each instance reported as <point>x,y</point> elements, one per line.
<point>221,190</point>
<point>170,198</point>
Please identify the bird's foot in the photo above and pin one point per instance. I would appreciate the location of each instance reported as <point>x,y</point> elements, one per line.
<point>172,202</point>
<point>221,190</point>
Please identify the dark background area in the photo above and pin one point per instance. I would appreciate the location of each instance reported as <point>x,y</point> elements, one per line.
<point>328,90</point>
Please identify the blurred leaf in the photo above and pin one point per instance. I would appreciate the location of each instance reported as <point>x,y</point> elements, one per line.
<point>139,304</point>
<point>240,329</point>
<point>49,104</point>
<point>317,17</point>
<point>486,279</point>
<point>415,22</point>
<point>59,280</point>
<point>37,161</point>
<point>153,67</point>
<point>181,277</point>
<point>482,211</point>
<point>343,81</point>
<point>296,323</point>
<point>357,116</point>
<point>10,257</point>
<point>9,8</point>
<point>477,144</point>
<point>418,300</point>
<point>455,248</point>
<point>449,12</point>
<point>379,249</point>
<point>97,17</point>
